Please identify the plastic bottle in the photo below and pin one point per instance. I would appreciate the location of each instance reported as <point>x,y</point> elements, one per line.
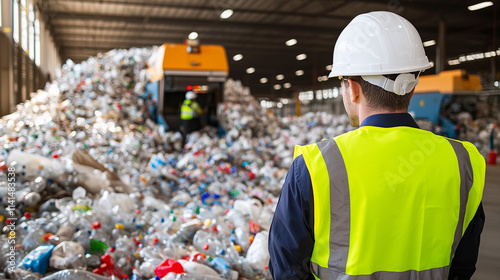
<point>207,243</point>
<point>168,266</point>
<point>68,255</point>
<point>65,231</point>
<point>119,231</point>
<point>258,255</point>
<point>109,268</point>
<point>82,237</point>
<point>193,267</point>
<point>223,267</point>
<point>135,274</point>
<point>186,232</point>
<point>27,197</point>
<point>33,237</point>
<point>38,185</point>
<point>98,239</point>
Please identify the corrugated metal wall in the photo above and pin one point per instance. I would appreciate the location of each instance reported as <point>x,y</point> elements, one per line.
<point>19,75</point>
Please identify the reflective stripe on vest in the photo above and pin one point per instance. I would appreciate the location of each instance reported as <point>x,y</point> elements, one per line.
<point>369,219</point>
<point>186,111</point>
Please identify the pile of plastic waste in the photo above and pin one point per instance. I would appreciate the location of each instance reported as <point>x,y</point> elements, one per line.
<point>92,189</point>
<point>482,132</point>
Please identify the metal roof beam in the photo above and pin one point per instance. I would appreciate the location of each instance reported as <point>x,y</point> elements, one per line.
<point>195,23</point>
<point>216,8</point>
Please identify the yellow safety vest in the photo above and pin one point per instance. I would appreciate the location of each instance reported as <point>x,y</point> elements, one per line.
<point>188,110</point>
<point>390,203</point>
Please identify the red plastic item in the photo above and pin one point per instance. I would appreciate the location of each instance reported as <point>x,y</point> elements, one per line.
<point>250,175</point>
<point>3,166</point>
<point>168,266</point>
<point>137,242</point>
<point>196,257</point>
<point>27,215</point>
<point>492,157</point>
<point>108,268</point>
<point>206,246</point>
<point>96,225</point>
<point>47,236</point>
<point>254,227</point>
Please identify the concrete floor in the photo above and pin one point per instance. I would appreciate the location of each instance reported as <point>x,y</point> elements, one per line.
<point>488,264</point>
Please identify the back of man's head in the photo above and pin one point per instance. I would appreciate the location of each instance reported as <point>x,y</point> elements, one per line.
<point>378,98</point>
<point>382,52</point>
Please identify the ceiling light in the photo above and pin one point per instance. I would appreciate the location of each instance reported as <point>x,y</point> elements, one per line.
<point>301,56</point>
<point>480,6</point>
<point>250,70</point>
<point>226,14</point>
<point>299,72</point>
<point>280,77</point>
<point>287,85</point>
<point>193,35</point>
<point>329,67</point>
<point>237,57</point>
<point>322,78</point>
<point>263,80</point>
<point>277,87</point>
<point>429,43</point>
<point>291,42</point>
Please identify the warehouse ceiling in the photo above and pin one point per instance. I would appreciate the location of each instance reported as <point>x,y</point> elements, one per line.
<point>258,29</point>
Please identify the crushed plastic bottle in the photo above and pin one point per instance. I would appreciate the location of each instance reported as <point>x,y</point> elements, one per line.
<point>68,255</point>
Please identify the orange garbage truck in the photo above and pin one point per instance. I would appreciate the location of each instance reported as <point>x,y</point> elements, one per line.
<point>179,68</point>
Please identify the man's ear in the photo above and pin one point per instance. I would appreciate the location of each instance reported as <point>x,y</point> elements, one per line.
<point>356,90</point>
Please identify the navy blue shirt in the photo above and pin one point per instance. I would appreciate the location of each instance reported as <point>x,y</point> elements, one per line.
<point>291,237</point>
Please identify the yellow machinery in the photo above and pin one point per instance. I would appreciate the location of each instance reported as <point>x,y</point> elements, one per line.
<point>179,68</point>
<point>440,98</point>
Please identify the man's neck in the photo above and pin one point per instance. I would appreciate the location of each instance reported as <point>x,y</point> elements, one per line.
<point>366,112</point>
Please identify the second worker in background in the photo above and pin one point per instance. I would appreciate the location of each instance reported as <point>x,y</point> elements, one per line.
<point>190,115</point>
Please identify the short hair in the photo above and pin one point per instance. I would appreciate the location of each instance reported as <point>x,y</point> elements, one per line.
<point>379,98</point>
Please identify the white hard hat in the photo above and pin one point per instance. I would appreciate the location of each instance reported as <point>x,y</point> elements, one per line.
<point>191,95</point>
<point>380,43</point>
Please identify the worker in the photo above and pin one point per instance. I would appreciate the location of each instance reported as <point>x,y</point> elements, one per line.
<point>190,114</point>
<point>387,200</point>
